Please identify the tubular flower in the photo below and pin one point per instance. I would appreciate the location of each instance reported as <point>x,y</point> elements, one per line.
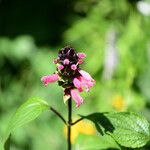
<point>78,84</point>
<point>75,95</point>
<point>50,78</point>
<point>69,75</point>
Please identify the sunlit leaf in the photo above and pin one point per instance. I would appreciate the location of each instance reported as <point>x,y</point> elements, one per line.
<point>95,142</point>
<point>128,129</point>
<point>25,113</point>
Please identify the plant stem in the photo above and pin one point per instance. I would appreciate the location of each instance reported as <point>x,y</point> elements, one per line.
<point>77,121</point>
<point>69,122</point>
<point>58,114</point>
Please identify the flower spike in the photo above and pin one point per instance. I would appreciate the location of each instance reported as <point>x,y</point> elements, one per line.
<point>69,75</point>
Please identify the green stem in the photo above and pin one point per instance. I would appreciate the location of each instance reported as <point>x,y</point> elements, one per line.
<point>69,122</point>
<point>58,114</point>
<point>76,121</point>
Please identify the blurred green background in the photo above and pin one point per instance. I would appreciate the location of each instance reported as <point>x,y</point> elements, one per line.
<point>115,35</point>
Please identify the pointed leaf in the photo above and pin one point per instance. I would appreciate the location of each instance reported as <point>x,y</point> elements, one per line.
<point>24,114</point>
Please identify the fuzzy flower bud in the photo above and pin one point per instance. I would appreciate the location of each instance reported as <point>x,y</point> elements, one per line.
<point>81,55</point>
<point>73,67</point>
<point>66,61</point>
<point>60,67</point>
<point>80,61</point>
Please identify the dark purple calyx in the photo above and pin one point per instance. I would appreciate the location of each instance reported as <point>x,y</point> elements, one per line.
<point>67,74</point>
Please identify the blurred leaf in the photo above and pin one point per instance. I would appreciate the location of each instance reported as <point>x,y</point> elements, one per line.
<point>144,83</point>
<point>7,143</point>
<point>127,128</point>
<point>25,113</point>
<point>94,142</point>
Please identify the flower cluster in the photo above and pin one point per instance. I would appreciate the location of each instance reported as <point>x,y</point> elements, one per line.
<point>69,75</point>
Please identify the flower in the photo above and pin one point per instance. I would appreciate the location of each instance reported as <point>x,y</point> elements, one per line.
<point>78,84</point>
<point>80,61</point>
<point>75,95</point>
<point>81,55</point>
<point>81,81</point>
<point>60,67</point>
<point>66,61</point>
<point>73,67</point>
<point>49,78</point>
<point>69,75</point>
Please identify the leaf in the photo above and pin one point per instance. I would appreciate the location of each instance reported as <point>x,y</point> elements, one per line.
<point>24,114</point>
<point>127,128</point>
<point>7,143</point>
<point>95,142</point>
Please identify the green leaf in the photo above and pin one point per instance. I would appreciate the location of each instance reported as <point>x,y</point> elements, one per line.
<point>7,143</point>
<point>127,128</point>
<point>95,142</point>
<point>24,114</point>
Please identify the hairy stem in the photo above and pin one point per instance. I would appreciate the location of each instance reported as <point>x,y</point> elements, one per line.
<point>58,114</point>
<point>69,122</point>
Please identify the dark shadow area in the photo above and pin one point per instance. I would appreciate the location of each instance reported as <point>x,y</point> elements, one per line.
<point>44,20</point>
<point>101,122</point>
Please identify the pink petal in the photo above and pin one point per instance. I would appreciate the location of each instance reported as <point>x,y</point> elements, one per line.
<point>85,75</point>
<point>81,55</point>
<point>73,67</point>
<point>78,84</point>
<point>60,67</point>
<point>80,61</point>
<point>66,62</point>
<point>50,78</point>
<point>77,98</point>
<point>86,83</point>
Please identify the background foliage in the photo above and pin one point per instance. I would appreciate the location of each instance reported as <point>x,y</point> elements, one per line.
<point>115,36</point>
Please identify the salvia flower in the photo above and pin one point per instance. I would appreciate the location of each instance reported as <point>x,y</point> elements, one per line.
<point>69,75</point>
<point>49,78</point>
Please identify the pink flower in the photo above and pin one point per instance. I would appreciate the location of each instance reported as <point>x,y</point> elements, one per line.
<point>49,78</point>
<point>77,98</point>
<point>87,83</point>
<point>60,67</point>
<point>81,55</point>
<point>66,61</point>
<point>85,75</point>
<point>72,79</point>
<point>80,61</point>
<point>84,80</point>
<point>78,84</point>
<point>73,67</point>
